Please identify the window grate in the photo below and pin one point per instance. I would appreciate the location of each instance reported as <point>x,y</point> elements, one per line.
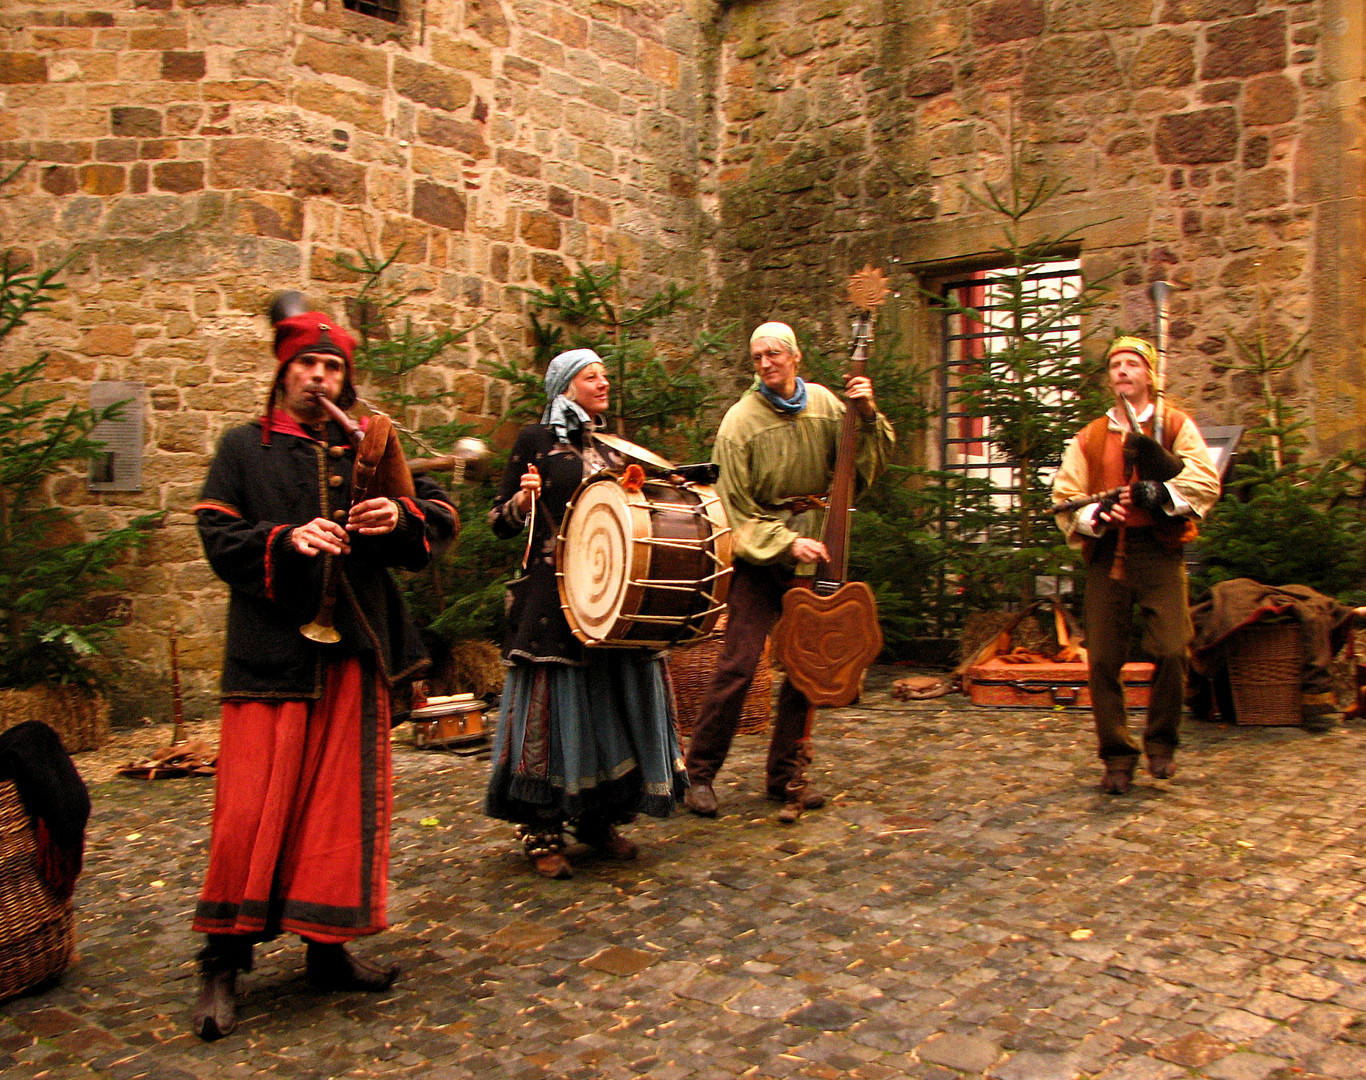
<point>966,444</point>
<point>388,10</point>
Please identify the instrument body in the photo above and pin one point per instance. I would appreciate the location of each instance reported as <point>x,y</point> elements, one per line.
<point>379,470</point>
<point>643,564</point>
<point>443,723</point>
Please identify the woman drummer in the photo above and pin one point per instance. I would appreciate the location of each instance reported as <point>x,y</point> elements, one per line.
<point>586,736</point>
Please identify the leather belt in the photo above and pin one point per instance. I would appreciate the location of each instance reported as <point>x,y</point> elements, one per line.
<point>800,504</point>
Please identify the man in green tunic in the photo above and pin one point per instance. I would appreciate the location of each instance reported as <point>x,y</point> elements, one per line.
<point>776,448</point>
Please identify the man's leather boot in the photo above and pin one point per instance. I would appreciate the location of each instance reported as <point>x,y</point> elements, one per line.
<point>215,1010</point>
<point>331,968</point>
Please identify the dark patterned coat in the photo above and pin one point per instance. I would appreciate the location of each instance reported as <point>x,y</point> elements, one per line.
<point>253,497</point>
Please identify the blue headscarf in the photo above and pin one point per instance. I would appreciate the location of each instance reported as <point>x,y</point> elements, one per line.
<point>563,415</point>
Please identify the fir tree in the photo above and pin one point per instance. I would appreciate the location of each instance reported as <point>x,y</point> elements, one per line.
<point>49,566</point>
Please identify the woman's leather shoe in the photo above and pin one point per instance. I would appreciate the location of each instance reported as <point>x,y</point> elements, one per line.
<point>607,841</point>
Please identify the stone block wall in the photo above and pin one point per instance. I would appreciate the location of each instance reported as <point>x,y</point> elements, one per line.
<point>1216,143</point>
<point>192,157</point>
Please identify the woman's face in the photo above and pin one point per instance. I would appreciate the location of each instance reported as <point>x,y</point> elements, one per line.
<point>591,388</point>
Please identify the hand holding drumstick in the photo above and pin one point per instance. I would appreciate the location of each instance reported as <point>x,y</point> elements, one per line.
<point>530,489</point>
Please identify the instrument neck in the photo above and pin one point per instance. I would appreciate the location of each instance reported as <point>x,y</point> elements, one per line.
<point>830,574</point>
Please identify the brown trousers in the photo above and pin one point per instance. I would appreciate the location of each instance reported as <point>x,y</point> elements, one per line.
<point>1154,580</point>
<point>756,601</point>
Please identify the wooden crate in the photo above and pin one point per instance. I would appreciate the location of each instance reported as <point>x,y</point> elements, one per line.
<point>998,685</point>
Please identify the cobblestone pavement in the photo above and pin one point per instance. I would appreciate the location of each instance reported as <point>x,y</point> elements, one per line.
<point>966,905</point>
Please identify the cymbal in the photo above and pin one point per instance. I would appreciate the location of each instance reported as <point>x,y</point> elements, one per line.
<point>636,453</point>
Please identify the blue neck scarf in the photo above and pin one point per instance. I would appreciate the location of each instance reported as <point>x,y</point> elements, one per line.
<point>791,406</point>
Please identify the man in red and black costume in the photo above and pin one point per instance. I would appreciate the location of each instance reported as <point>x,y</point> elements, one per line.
<point>1132,543</point>
<point>301,812</point>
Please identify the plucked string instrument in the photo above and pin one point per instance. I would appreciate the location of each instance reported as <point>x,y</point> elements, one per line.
<point>828,633</point>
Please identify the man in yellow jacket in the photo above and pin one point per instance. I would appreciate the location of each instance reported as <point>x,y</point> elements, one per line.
<point>1132,542</point>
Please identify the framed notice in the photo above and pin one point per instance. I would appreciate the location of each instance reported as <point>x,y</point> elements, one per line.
<point>117,466</point>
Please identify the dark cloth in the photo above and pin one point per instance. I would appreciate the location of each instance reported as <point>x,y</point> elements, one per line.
<point>33,759</point>
<point>537,629</point>
<point>1154,581</point>
<point>585,732</point>
<point>1325,627</point>
<point>252,499</point>
<point>755,603</point>
<point>301,814</point>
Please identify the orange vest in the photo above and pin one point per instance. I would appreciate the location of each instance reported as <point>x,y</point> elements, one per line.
<point>1103,449</point>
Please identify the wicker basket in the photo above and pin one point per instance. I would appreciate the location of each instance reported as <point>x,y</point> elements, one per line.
<point>37,931</point>
<point>691,670</point>
<point>1265,671</point>
<point>80,718</point>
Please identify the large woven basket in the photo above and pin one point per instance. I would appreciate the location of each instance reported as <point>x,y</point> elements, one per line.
<point>691,670</point>
<point>37,931</point>
<point>79,717</point>
<point>1265,670</point>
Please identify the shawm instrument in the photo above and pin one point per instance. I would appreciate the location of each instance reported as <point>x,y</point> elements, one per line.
<point>828,634</point>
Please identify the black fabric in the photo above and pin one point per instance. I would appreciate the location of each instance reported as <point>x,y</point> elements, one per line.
<point>537,629</point>
<point>52,791</point>
<point>253,496</point>
<point>32,757</point>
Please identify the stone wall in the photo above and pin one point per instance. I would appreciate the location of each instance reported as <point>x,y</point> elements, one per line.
<point>1216,143</point>
<point>192,157</point>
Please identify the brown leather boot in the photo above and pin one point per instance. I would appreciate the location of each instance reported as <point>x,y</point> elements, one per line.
<point>330,967</point>
<point>215,1010</point>
<point>1118,779</point>
<point>603,837</point>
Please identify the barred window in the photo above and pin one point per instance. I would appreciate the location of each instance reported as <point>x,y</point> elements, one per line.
<point>388,10</point>
<point>966,444</point>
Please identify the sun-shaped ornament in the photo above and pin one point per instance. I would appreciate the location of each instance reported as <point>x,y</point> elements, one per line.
<point>868,288</point>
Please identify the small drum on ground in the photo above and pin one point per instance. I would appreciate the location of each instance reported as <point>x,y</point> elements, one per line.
<point>444,723</point>
<point>643,564</point>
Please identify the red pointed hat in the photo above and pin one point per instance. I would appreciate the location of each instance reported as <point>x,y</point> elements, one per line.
<point>312,332</point>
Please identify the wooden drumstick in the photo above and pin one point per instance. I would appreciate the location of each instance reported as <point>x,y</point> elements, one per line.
<point>530,520</point>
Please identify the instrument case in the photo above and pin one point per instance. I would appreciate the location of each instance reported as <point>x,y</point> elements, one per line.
<point>996,684</point>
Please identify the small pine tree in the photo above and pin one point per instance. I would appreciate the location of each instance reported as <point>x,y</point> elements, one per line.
<point>48,565</point>
<point>1035,387</point>
<point>459,594</point>
<point>1286,520</point>
<point>658,401</point>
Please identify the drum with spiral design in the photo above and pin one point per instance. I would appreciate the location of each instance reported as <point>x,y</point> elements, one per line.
<point>643,564</point>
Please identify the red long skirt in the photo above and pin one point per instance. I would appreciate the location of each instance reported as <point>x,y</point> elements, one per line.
<point>301,814</point>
